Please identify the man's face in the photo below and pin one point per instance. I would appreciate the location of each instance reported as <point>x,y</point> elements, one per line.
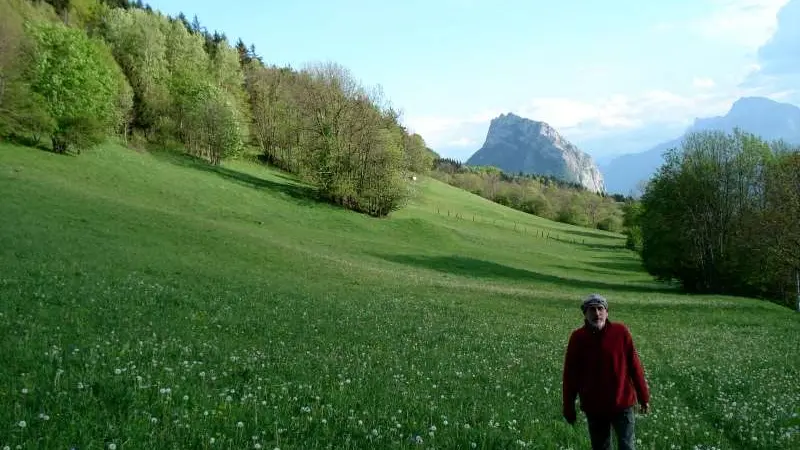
<point>596,315</point>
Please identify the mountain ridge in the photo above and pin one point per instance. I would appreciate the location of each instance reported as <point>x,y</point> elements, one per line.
<point>769,119</point>
<point>517,144</point>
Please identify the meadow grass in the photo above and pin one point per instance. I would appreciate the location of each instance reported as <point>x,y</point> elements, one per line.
<point>153,302</point>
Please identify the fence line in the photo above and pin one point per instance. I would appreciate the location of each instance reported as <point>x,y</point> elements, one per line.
<point>516,227</point>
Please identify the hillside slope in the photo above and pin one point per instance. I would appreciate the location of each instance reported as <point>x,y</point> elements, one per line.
<point>153,302</point>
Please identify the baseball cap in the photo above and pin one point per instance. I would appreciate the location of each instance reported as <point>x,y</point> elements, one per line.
<point>594,299</point>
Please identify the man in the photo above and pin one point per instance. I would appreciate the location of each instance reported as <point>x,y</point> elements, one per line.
<point>602,368</point>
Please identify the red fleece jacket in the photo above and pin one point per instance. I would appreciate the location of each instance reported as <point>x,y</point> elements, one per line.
<point>602,368</point>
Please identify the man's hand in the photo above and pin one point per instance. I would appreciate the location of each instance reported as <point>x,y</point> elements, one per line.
<point>645,408</point>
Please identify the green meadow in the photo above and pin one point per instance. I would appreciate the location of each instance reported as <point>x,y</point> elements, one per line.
<point>150,301</point>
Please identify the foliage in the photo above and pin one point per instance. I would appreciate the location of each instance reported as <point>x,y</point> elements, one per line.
<point>322,124</point>
<point>139,45</point>
<point>352,148</point>
<point>631,212</point>
<point>166,80</point>
<point>213,126</point>
<point>23,113</point>
<point>79,83</point>
<point>543,195</point>
<point>718,214</point>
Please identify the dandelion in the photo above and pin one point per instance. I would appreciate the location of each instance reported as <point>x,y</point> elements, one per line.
<point>117,371</point>
<point>22,424</point>
<point>239,424</point>
<point>24,390</point>
<point>112,446</point>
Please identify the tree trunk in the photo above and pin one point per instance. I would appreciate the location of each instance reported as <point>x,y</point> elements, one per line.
<point>59,146</point>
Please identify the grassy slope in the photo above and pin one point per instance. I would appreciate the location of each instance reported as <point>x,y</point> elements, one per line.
<point>123,274</point>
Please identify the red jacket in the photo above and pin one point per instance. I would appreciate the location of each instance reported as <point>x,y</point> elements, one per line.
<point>602,368</point>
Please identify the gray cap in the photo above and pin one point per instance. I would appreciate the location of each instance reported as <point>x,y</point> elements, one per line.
<point>594,299</point>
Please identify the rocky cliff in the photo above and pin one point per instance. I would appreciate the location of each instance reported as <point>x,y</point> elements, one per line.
<point>516,144</point>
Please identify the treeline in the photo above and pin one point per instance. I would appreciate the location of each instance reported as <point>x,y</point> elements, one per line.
<point>722,215</point>
<point>544,196</point>
<point>76,72</point>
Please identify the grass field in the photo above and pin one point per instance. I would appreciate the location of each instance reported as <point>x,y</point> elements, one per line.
<point>150,302</point>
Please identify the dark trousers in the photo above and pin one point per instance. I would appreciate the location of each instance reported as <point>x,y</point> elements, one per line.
<point>600,430</point>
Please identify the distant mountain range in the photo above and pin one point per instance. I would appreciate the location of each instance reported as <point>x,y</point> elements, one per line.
<point>516,144</point>
<point>764,117</point>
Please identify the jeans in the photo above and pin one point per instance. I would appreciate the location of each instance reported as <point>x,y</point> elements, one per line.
<point>600,430</point>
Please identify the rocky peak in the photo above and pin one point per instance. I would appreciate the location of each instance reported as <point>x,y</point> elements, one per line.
<point>516,144</point>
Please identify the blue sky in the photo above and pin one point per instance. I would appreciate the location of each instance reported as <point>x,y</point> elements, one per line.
<point>611,76</point>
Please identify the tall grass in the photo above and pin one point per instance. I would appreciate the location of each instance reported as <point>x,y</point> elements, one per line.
<point>149,301</point>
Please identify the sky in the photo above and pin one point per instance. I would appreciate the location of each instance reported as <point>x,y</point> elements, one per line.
<point>614,77</point>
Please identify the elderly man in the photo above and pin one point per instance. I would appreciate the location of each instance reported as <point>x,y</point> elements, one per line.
<point>602,368</point>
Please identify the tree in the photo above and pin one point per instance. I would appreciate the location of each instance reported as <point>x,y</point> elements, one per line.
<point>780,225</point>
<point>708,217</point>
<point>139,44</point>
<point>275,122</point>
<point>23,113</point>
<point>79,82</point>
<point>418,158</point>
<point>227,73</point>
<point>187,64</point>
<point>352,144</point>
<point>215,132</point>
<point>631,216</point>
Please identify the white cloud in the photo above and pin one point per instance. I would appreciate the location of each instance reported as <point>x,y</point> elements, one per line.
<point>461,142</point>
<point>566,112</point>
<point>451,131</point>
<point>749,23</point>
<point>778,67</point>
<point>618,113</point>
<point>703,83</point>
<point>577,117</point>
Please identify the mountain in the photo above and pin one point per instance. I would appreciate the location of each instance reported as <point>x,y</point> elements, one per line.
<point>763,117</point>
<point>516,144</point>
